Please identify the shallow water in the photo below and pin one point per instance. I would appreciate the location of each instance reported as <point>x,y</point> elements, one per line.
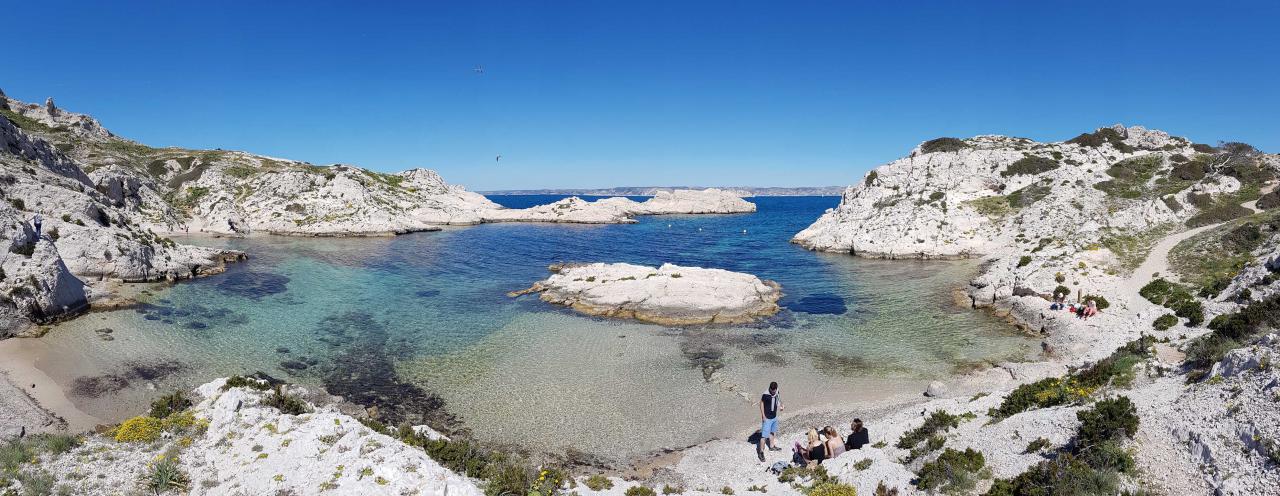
<point>420,326</point>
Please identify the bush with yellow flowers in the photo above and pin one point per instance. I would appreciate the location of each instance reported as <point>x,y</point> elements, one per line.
<point>141,429</point>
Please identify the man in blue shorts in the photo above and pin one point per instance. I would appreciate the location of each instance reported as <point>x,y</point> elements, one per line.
<point>770,404</point>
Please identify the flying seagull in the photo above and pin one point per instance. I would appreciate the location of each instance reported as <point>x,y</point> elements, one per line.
<point>479,69</point>
<point>497,158</point>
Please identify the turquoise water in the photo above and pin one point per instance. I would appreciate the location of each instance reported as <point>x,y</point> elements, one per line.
<point>421,327</point>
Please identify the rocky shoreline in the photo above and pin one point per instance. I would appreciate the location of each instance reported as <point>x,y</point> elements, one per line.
<point>1099,218</point>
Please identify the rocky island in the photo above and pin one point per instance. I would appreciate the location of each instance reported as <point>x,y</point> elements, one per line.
<point>666,295</point>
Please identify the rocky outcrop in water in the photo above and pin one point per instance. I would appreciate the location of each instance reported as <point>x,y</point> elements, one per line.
<point>619,210</point>
<point>667,295</point>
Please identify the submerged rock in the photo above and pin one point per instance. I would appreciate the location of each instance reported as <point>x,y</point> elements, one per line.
<point>667,295</point>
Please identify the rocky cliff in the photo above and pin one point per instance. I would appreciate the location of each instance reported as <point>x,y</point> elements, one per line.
<point>89,231</point>
<point>218,191</point>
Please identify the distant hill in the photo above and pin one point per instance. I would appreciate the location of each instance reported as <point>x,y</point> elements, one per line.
<point>650,190</point>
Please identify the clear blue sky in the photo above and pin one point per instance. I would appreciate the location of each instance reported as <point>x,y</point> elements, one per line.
<point>596,94</point>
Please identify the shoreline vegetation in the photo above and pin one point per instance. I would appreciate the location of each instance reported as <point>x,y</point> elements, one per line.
<point>1117,400</point>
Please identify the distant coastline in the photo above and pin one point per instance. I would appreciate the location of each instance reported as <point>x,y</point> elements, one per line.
<point>650,190</point>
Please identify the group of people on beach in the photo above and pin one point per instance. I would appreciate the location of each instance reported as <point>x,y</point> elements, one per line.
<point>1081,310</point>
<point>818,445</point>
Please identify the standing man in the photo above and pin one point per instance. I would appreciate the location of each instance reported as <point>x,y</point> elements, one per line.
<point>770,404</point>
<point>37,220</point>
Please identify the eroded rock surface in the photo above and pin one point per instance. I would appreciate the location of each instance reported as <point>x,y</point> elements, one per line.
<point>667,295</point>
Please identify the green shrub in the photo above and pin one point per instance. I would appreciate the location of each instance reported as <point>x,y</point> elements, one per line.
<point>1030,165</point>
<point>871,178</point>
<point>1061,291</point>
<point>1194,170</point>
<point>1109,420</point>
<point>938,421</point>
<point>18,204</point>
<point>1175,297</point>
<point>1024,260</point>
<point>56,444</point>
<point>1203,148</point>
<point>1207,350</point>
<point>598,483</point>
<point>1028,195</point>
<point>1101,137</point>
<point>1037,446</point>
<point>504,477</point>
<point>639,491</point>
<point>1164,322</point>
<point>952,472</point>
<point>241,381</point>
<point>943,145</point>
<point>169,404</point>
<point>13,454</point>
<point>1218,214</point>
<point>667,489</point>
<point>1115,370</point>
<point>1131,176</point>
<point>832,489</point>
<point>285,402</point>
<point>1108,456</point>
<point>1101,301</point>
<point>1269,201</point>
<point>1064,475</point>
<point>164,475</point>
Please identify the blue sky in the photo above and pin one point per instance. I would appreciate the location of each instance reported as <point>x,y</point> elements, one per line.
<point>595,94</point>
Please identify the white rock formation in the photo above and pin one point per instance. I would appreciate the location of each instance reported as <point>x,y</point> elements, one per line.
<point>619,210</point>
<point>241,446</point>
<point>87,233</point>
<point>174,189</point>
<point>667,295</point>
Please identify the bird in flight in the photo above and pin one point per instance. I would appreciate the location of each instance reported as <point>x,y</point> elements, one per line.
<point>497,158</point>
<point>479,69</point>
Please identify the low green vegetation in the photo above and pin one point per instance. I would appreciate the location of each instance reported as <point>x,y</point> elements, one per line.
<point>1231,331</point>
<point>25,123</point>
<point>1210,260</point>
<point>953,472</point>
<point>169,404</point>
<point>938,422</point>
<point>1175,297</point>
<point>1092,463</point>
<point>943,145</point>
<point>1028,195</point>
<point>1131,248</point>
<point>1164,322</point>
<point>991,206</point>
<point>1130,177</point>
<point>1115,371</point>
<point>1030,165</point>
<point>285,402</point>
<point>1101,137</point>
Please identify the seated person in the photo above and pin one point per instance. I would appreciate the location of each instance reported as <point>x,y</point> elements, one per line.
<point>803,451</point>
<point>833,446</point>
<point>859,437</point>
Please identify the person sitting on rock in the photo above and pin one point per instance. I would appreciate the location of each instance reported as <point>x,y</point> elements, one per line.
<point>859,437</point>
<point>1090,309</point>
<point>810,451</point>
<point>1059,301</point>
<point>833,446</point>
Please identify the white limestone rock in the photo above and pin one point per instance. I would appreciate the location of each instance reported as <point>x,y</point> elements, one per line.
<point>247,447</point>
<point>667,295</point>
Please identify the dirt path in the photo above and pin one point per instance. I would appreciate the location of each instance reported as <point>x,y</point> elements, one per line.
<point>1157,262</point>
